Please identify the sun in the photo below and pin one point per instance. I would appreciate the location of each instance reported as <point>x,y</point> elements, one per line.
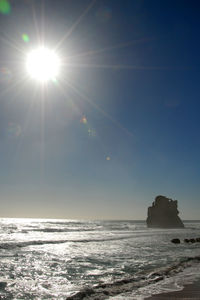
<point>43,64</point>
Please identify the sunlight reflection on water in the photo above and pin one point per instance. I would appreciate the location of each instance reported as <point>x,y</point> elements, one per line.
<point>54,258</point>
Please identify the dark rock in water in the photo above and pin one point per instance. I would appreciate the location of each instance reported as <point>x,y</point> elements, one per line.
<point>192,241</point>
<point>86,292</point>
<point>164,214</point>
<point>176,241</point>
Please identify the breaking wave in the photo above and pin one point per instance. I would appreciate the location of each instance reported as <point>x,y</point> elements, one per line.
<point>13,245</point>
<point>105,290</point>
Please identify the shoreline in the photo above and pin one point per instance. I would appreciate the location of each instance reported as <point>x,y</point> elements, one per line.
<point>189,292</point>
<point>125,286</point>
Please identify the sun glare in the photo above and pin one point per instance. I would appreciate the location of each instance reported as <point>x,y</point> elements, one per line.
<point>43,64</point>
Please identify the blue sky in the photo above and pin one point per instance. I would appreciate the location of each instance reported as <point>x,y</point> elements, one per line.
<point>120,126</point>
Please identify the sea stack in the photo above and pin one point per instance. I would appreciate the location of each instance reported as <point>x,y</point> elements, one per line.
<point>164,214</point>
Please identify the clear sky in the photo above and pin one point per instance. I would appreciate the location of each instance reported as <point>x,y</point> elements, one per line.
<point>121,124</point>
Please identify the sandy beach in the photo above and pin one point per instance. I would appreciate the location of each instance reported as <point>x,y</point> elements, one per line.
<point>189,292</point>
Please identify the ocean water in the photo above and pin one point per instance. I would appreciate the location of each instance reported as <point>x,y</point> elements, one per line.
<point>57,259</point>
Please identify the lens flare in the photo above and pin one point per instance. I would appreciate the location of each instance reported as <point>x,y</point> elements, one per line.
<point>14,130</point>
<point>92,132</point>
<point>104,14</point>
<point>83,120</point>
<point>5,75</point>
<point>25,38</point>
<point>5,7</point>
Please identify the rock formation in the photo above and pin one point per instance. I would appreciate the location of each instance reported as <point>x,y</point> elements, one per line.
<point>175,241</point>
<point>164,214</point>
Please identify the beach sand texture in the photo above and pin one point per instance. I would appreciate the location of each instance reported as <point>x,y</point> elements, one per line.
<point>189,292</point>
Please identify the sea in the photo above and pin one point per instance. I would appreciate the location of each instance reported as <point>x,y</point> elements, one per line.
<point>77,259</point>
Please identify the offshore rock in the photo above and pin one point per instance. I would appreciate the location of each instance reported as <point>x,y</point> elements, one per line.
<point>164,214</point>
<point>176,241</point>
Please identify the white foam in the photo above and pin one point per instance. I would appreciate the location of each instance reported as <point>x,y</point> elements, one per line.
<point>169,284</point>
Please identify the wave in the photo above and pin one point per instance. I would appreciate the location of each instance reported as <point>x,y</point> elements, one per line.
<point>83,229</point>
<point>105,290</point>
<point>13,245</point>
<point>59,230</point>
<point>67,223</point>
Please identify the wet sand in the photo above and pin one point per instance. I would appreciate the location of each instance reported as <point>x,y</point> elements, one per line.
<point>189,292</point>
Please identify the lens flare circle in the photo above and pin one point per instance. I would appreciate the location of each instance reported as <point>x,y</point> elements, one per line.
<point>43,64</point>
